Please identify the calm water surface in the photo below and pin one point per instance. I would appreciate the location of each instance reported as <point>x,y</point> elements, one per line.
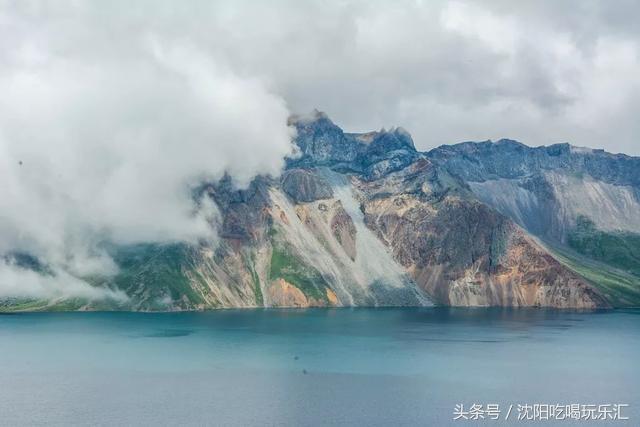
<point>311,367</point>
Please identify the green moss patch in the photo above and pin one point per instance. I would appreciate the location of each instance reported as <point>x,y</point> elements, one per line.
<point>618,249</point>
<point>619,287</point>
<point>156,271</point>
<point>290,268</point>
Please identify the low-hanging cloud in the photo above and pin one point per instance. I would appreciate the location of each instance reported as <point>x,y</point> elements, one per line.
<point>102,139</point>
<point>109,111</point>
<point>57,286</point>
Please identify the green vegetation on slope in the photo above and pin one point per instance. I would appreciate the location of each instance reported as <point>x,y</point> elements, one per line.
<point>256,282</point>
<point>619,249</point>
<point>158,271</point>
<point>621,288</point>
<point>9,305</point>
<point>290,268</point>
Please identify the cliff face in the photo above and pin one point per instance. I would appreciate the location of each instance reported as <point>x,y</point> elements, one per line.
<point>462,252</point>
<point>545,189</point>
<point>552,192</point>
<point>366,220</point>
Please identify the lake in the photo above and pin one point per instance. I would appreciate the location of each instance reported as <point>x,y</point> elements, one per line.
<point>313,367</point>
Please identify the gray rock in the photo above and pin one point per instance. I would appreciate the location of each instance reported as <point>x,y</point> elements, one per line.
<point>303,186</point>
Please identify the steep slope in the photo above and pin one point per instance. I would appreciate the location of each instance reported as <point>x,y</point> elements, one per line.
<point>553,192</point>
<point>457,249</point>
<point>545,189</point>
<point>361,220</point>
<point>464,253</point>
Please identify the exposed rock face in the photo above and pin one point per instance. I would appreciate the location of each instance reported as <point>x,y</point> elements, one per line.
<point>304,186</point>
<point>284,294</point>
<point>366,220</point>
<point>545,189</point>
<point>244,211</point>
<point>315,248</point>
<point>480,161</point>
<point>322,143</point>
<point>372,155</point>
<point>463,253</point>
<point>528,275</point>
<point>344,231</point>
<point>525,276</point>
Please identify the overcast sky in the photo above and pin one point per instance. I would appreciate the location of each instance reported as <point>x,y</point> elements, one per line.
<point>109,110</point>
<point>447,71</point>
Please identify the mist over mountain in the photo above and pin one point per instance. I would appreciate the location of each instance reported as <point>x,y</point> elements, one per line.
<point>158,126</point>
<point>365,219</point>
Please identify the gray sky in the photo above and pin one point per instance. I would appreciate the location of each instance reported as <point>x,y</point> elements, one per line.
<point>537,71</point>
<point>111,109</point>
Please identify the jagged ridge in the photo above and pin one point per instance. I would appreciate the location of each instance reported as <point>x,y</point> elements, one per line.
<point>366,219</point>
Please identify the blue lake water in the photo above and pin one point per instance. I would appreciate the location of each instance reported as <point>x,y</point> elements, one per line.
<point>312,367</point>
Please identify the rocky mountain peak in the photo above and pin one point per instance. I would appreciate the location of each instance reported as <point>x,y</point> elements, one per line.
<point>386,141</point>
<point>486,160</point>
<point>366,219</point>
<point>323,144</point>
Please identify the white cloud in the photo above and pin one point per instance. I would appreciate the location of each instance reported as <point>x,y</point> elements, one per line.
<point>101,140</point>
<point>467,70</point>
<point>22,283</point>
<point>471,20</point>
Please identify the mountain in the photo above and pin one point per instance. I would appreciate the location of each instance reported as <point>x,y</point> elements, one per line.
<point>583,204</point>
<point>545,189</point>
<point>367,220</point>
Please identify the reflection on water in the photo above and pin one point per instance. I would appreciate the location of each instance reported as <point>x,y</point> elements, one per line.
<point>308,367</point>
